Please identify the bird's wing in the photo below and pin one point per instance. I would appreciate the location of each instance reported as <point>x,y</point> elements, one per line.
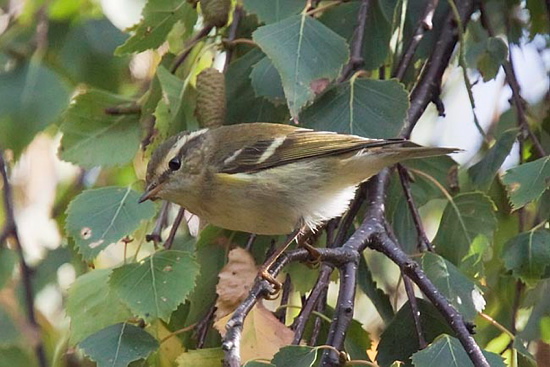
<point>298,144</point>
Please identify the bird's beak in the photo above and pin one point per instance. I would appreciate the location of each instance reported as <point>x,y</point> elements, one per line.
<point>150,193</point>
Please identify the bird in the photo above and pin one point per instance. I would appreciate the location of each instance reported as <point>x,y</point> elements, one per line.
<point>269,178</point>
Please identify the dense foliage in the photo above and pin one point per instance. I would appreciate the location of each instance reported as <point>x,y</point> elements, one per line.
<point>151,286</point>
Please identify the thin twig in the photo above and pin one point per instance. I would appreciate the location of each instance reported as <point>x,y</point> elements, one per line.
<point>310,10</point>
<point>321,284</point>
<point>287,287</point>
<point>424,24</point>
<point>232,34</point>
<point>189,46</point>
<point>356,60</point>
<point>423,241</point>
<point>132,109</point>
<point>409,289</point>
<point>174,229</point>
<point>160,223</point>
<point>10,231</point>
<point>428,85</point>
<point>204,325</point>
<point>320,309</point>
<point>464,67</point>
<point>517,99</point>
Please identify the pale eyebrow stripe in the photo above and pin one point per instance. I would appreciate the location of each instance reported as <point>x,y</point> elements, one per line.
<point>270,150</point>
<point>180,143</point>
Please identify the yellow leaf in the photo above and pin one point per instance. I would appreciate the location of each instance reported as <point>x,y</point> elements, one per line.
<point>263,334</point>
<point>169,349</point>
<point>210,357</point>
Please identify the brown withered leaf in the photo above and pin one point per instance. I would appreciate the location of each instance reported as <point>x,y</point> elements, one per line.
<point>263,334</point>
<point>235,280</point>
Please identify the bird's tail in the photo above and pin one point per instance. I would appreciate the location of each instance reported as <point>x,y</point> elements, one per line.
<point>369,162</point>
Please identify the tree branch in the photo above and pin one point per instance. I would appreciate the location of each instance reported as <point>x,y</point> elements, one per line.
<point>372,233</point>
<point>343,313</point>
<point>320,286</point>
<point>428,85</point>
<point>383,243</point>
<point>10,231</point>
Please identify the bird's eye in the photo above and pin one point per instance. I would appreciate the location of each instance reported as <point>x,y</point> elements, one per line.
<point>174,164</point>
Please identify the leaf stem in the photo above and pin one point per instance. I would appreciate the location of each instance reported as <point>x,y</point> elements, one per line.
<point>177,332</point>
<point>496,324</point>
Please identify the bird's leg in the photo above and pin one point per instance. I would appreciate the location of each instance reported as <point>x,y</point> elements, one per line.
<point>264,269</point>
<point>307,241</point>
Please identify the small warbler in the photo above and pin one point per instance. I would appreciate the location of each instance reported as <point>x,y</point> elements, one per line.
<point>270,179</point>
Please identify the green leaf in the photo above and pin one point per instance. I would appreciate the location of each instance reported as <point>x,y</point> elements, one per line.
<point>155,286</point>
<point>538,17</point>
<point>463,294</point>
<point>274,10</point>
<point>10,335</point>
<point>305,52</point>
<point>447,351</point>
<point>439,168</point>
<point>494,55</point>
<point>357,341</point>
<point>540,313</point>
<point>465,217</point>
<point>172,88</point>
<point>118,345</point>
<point>242,103</point>
<point>528,255</point>
<point>527,181</point>
<point>31,97</point>
<point>266,81</point>
<point>209,357</point>
<point>399,341</point>
<point>306,276</point>
<point>92,305</point>
<point>158,18</point>
<point>45,272</point>
<point>484,171</point>
<point>377,296</point>
<point>342,19</point>
<point>93,138</point>
<point>98,218</point>
<point>86,52</point>
<point>15,356</point>
<point>170,111</point>
<point>295,355</point>
<point>258,364</point>
<point>525,358</point>
<point>484,53</point>
<point>365,107</point>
